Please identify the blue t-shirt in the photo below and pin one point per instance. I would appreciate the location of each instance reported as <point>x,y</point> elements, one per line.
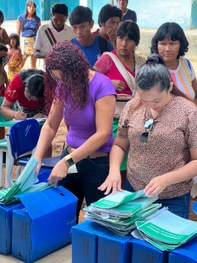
<point>29,27</point>
<point>93,51</point>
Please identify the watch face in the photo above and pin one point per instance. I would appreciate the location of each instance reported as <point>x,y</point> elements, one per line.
<point>70,161</point>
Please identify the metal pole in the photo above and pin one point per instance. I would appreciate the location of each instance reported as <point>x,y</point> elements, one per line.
<point>112,2</point>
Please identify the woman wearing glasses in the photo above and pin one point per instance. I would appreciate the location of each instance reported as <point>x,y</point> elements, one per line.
<point>158,128</point>
<point>86,101</point>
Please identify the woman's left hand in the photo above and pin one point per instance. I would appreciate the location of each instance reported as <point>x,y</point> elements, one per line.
<point>59,172</point>
<point>156,186</point>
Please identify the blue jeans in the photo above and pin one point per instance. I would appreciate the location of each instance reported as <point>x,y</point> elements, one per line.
<point>91,174</point>
<point>178,205</point>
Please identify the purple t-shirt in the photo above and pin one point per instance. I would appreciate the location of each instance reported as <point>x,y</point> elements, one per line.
<point>82,122</point>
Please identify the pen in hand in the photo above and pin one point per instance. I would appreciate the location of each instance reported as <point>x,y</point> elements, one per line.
<point>20,115</point>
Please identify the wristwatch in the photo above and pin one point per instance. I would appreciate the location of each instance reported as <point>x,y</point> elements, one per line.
<point>69,160</point>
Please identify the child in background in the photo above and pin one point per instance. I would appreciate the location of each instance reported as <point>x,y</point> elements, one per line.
<point>15,56</point>
<point>4,39</point>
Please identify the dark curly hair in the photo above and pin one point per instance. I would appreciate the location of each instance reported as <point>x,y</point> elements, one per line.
<point>74,67</point>
<point>173,31</point>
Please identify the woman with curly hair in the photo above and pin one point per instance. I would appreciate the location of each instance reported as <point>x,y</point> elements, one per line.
<point>86,101</point>
<point>171,44</point>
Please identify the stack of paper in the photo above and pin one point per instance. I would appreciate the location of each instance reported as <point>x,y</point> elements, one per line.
<point>24,183</point>
<point>165,230</point>
<point>119,211</point>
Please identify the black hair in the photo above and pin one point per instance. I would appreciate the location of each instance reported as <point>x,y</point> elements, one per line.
<point>34,82</point>
<point>29,3</point>
<point>1,17</point>
<point>17,38</point>
<point>3,48</point>
<point>108,11</point>
<point>61,9</point>
<point>80,14</point>
<point>130,29</point>
<point>155,73</point>
<point>172,31</point>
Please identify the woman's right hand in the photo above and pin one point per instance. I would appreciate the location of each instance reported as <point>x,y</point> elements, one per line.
<point>20,115</point>
<point>112,183</point>
<point>59,171</point>
<point>119,85</point>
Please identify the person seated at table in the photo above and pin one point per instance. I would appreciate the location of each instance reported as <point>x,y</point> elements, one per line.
<point>26,92</point>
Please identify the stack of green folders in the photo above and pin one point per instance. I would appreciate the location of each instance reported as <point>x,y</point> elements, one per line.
<point>121,210</point>
<point>165,230</point>
<point>24,183</point>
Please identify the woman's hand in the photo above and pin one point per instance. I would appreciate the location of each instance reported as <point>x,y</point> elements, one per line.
<point>111,34</point>
<point>156,186</point>
<point>59,172</point>
<point>112,182</point>
<point>119,85</point>
<point>20,115</point>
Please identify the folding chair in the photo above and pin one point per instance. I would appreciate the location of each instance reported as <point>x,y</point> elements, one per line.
<point>22,140</point>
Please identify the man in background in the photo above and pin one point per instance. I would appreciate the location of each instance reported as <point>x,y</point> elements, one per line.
<point>54,32</point>
<point>92,45</point>
<point>127,14</point>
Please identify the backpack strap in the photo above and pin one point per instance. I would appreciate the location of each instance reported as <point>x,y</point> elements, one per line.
<point>102,44</point>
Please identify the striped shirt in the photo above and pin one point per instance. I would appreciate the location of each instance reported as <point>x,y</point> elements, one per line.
<point>183,77</point>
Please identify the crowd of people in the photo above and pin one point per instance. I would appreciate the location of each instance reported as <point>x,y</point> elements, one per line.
<point>131,120</point>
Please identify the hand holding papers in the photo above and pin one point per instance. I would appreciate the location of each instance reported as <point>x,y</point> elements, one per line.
<point>119,211</point>
<point>24,183</point>
<point>114,200</point>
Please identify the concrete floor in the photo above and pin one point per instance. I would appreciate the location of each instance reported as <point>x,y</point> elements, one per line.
<point>60,256</point>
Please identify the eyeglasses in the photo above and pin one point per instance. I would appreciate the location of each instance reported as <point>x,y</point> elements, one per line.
<point>148,125</point>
